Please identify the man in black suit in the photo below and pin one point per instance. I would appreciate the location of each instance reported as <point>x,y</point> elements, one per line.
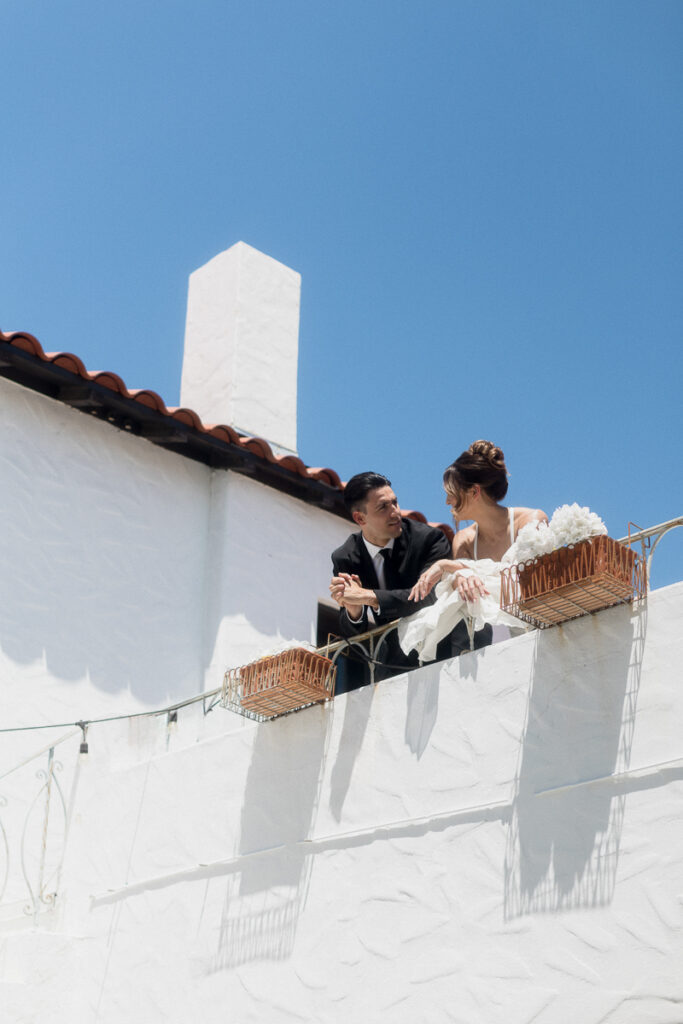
<point>375,569</point>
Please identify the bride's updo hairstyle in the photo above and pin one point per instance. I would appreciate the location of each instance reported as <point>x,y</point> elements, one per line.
<point>483,463</point>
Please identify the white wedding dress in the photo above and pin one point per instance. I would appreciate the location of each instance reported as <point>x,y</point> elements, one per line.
<point>422,631</point>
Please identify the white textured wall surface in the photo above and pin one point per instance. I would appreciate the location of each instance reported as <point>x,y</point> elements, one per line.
<point>494,840</point>
<point>242,343</point>
<point>270,565</point>
<point>132,577</point>
<point>103,556</point>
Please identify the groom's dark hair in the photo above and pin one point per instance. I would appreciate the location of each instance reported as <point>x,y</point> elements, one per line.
<point>359,486</point>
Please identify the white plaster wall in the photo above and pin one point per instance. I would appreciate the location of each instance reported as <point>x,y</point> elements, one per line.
<point>270,565</point>
<point>102,555</point>
<point>494,839</point>
<point>132,577</point>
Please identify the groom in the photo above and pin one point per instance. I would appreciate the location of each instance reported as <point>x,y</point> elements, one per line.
<point>375,569</point>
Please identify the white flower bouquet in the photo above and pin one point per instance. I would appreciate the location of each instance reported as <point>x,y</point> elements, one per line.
<point>570,524</point>
<point>567,568</point>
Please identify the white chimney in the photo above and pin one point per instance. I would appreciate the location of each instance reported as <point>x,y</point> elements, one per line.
<point>241,344</point>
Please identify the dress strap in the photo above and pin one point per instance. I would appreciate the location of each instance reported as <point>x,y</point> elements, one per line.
<point>476,537</point>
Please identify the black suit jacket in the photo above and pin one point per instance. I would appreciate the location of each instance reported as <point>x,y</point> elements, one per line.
<point>418,547</point>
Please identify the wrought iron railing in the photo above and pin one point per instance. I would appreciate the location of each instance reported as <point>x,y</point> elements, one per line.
<point>30,867</point>
<point>369,644</point>
<point>645,537</point>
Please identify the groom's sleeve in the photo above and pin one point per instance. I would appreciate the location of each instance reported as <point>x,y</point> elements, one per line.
<point>394,604</point>
<point>347,626</point>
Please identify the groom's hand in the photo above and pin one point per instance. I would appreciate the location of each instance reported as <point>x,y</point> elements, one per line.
<point>339,590</point>
<point>355,596</point>
<point>348,591</point>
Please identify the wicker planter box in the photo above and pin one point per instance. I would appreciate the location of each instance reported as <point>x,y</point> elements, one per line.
<point>279,684</point>
<point>572,581</point>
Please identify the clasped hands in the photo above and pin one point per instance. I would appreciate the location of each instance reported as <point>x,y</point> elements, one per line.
<point>469,587</point>
<point>348,591</point>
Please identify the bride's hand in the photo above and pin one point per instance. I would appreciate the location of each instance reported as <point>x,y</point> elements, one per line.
<point>426,583</point>
<point>470,588</point>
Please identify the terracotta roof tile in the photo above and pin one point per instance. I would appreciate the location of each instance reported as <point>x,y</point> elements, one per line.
<point>187,416</point>
<point>329,476</point>
<point>149,398</point>
<point>419,518</point>
<point>257,446</point>
<point>225,433</point>
<point>68,362</point>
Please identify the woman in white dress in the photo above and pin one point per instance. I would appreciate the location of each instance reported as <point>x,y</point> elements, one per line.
<point>469,582</point>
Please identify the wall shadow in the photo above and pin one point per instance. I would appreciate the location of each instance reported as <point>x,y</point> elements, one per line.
<point>564,835</point>
<point>102,552</point>
<point>356,715</point>
<point>264,897</point>
<point>422,709</point>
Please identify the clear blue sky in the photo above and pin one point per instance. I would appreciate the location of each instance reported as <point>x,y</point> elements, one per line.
<point>483,199</point>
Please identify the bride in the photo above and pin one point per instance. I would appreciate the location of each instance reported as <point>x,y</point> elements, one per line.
<point>468,585</point>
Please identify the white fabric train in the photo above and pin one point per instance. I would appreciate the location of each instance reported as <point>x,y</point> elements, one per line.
<point>423,630</point>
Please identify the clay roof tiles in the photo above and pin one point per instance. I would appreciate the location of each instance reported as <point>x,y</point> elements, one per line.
<point>17,342</point>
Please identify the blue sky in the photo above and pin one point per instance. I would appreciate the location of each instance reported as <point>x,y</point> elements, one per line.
<point>483,199</point>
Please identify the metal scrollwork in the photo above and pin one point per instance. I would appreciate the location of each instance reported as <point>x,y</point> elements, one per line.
<point>50,799</point>
<point>650,538</point>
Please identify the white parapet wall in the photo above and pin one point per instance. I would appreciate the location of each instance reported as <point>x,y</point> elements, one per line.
<point>492,840</point>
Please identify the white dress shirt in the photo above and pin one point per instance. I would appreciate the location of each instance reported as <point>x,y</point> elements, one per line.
<point>378,561</point>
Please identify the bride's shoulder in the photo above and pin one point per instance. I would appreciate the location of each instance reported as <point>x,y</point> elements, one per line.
<point>529,515</point>
<point>463,542</point>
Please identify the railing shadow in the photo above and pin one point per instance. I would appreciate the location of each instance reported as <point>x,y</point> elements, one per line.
<point>264,898</point>
<point>422,709</point>
<point>565,830</point>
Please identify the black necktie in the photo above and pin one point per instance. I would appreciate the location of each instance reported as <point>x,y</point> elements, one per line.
<point>388,568</point>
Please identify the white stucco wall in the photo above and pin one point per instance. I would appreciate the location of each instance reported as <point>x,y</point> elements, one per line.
<point>494,839</point>
<point>103,555</point>
<point>267,572</point>
<point>133,577</point>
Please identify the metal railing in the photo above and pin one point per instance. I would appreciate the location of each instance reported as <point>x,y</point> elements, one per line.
<point>645,538</point>
<point>369,643</point>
